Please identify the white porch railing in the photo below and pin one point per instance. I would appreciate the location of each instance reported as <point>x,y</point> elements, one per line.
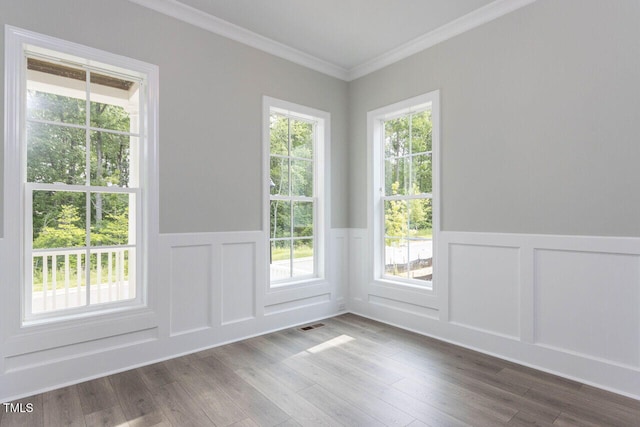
<point>282,269</point>
<point>60,277</point>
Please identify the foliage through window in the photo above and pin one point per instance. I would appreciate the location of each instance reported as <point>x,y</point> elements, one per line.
<point>293,202</point>
<point>82,132</point>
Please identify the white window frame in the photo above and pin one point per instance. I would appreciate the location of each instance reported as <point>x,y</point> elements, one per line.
<point>17,227</point>
<point>375,130</point>
<point>321,185</point>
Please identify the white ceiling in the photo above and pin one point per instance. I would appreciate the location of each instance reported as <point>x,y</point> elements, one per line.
<point>346,33</point>
<point>343,38</point>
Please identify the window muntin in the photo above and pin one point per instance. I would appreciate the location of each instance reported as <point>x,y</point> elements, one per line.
<point>293,200</point>
<point>81,183</point>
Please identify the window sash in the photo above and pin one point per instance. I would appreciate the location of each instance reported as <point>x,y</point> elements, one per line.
<point>87,250</point>
<point>383,197</point>
<point>136,262</point>
<point>407,237</point>
<point>291,198</point>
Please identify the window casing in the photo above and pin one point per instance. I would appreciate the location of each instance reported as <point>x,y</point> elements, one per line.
<point>86,152</point>
<point>295,210</point>
<point>405,196</point>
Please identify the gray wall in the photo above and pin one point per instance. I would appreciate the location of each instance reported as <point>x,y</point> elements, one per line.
<point>211,92</point>
<point>540,116</point>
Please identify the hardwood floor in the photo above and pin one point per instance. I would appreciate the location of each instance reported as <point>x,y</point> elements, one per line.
<point>352,371</point>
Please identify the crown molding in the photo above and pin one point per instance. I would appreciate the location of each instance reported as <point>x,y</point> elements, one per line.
<point>234,32</point>
<point>465,23</point>
<point>226,29</point>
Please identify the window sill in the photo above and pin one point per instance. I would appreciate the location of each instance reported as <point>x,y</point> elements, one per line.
<point>48,334</point>
<point>297,290</point>
<point>303,281</point>
<point>414,295</point>
<point>400,284</point>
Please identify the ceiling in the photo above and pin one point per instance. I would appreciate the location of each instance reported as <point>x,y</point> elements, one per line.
<point>343,38</point>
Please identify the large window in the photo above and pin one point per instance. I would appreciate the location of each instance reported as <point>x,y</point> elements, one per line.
<point>296,191</point>
<point>405,208</point>
<point>82,148</point>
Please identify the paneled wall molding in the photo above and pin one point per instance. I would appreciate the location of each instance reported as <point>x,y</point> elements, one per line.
<point>569,305</point>
<point>212,290</point>
<point>564,304</point>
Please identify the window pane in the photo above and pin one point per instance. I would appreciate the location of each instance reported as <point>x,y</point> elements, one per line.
<point>59,280</point>
<point>396,176</point>
<point>280,259</point>
<point>302,178</point>
<point>302,219</point>
<point>421,168</point>
<point>279,134</point>
<point>420,218</point>
<point>420,245</point>
<point>396,137</point>
<point>303,257</point>
<point>395,257</point>
<point>55,92</point>
<point>55,108</point>
<point>280,219</point>
<point>279,174</point>
<point>421,132</point>
<point>113,101</point>
<point>301,139</point>
<point>112,278</point>
<point>59,219</point>
<point>55,154</point>
<point>421,259</point>
<point>110,219</point>
<point>396,218</point>
<point>110,159</point>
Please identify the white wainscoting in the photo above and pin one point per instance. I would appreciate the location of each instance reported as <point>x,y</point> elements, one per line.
<point>569,305</point>
<point>3,279</point>
<point>212,289</point>
<point>190,285</point>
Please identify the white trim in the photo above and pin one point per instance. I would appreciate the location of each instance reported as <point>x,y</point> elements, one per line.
<point>46,360</point>
<point>183,351</point>
<point>17,328</point>
<point>226,29</point>
<point>322,186</point>
<point>375,162</point>
<point>234,32</point>
<point>519,360</point>
<point>12,262</point>
<point>524,324</point>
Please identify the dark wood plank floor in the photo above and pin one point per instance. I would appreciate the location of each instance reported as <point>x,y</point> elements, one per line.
<point>351,371</point>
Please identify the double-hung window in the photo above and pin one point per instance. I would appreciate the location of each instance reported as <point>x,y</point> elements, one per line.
<point>84,150</point>
<point>405,199</point>
<point>295,145</point>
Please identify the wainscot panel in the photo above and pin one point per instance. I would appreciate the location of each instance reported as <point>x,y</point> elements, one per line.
<point>588,303</point>
<point>569,305</point>
<point>211,290</point>
<point>484,285</point>
<point>238,267</point>
<point>190,282</point>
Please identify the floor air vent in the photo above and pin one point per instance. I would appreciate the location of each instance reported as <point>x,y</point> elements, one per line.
<point>308,328</point>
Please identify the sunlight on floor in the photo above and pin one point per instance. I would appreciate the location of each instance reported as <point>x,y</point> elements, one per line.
<point>335,342</point>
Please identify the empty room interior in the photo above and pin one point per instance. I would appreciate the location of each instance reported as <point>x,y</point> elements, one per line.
<point>335,212</point>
